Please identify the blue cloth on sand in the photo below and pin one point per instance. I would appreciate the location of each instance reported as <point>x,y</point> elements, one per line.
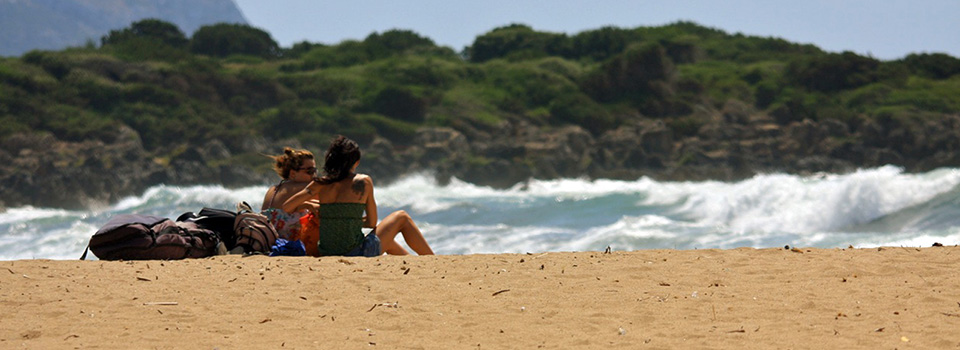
<point>288,248</point>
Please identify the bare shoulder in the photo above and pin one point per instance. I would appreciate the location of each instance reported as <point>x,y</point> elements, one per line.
<point>361,184</point>
<point>363,177</point>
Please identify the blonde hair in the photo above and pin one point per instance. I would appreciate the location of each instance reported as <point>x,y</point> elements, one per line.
<point>290,160</point>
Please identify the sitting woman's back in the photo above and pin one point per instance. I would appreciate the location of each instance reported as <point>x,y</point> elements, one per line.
<point>342,205</point>
<point>343,197</point>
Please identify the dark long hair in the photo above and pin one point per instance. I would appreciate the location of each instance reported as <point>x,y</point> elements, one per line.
<point>340,157</point>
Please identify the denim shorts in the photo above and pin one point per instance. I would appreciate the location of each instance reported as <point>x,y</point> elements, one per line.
<point>370,247</point>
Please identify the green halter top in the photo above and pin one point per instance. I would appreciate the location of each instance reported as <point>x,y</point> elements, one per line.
<point>340,227</point>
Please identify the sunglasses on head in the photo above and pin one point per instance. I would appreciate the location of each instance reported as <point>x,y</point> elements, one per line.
<point>310,171</point>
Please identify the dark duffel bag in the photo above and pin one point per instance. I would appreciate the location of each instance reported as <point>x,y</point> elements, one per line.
<point>218,220</point>
<point>145,237</point>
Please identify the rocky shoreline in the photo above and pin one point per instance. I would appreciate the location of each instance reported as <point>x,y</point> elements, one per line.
<point>729,144</point>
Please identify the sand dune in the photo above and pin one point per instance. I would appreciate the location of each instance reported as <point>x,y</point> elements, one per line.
<point>654,299</point>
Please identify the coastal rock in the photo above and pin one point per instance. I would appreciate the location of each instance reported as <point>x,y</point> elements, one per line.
<point>442,143</point>
<point>39,170</point>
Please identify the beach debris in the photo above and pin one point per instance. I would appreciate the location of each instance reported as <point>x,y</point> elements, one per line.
<point>878,330</point>
<point>664,284</point>
<point>167,303</point>
<point>737,331</point>
<point>71,336</point>
<point>694,294</point>
<point>265,320</point>
<point>796,250</point>
<point>621,331</point>
<point>786,247</point>
<point>11,271</point>
<point>904,339</point>
<point>937,244</point>
<point>345,262</point>
<point>523,308</point>
<point>406,271</point>
<point>607,251</point>
<point>394,305</point>
<point>143,279</point>
<point>500,291</point>
<point>950,314</point>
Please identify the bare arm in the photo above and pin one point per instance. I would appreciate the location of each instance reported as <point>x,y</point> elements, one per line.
<point>312,205</point>
<point>266,198</point>
<point>370,220</point>
<point>293,203</point>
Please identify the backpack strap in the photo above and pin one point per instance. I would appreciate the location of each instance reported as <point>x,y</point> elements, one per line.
<point>85,251</point>
<point>243,207</point>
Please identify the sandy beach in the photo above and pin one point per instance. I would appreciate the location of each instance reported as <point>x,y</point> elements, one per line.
<point>877,298</point>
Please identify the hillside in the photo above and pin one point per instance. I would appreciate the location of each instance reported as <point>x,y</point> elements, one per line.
<point>57,24</point>
<point>676,102</point>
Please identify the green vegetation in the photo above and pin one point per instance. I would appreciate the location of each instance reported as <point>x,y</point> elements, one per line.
<point>229,82</point>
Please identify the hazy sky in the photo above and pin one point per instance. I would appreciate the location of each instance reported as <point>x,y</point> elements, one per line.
<point>886,29</point>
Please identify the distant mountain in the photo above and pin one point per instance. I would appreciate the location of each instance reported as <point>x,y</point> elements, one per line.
<point>56,24</point>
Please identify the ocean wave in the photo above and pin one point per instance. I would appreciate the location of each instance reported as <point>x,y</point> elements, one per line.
<point>880,206</point>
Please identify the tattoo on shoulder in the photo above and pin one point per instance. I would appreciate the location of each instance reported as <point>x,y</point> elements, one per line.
<point>359,186</point>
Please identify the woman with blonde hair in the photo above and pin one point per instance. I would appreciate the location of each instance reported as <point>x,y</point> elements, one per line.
<point>343,196</point>
<point>297,169</point>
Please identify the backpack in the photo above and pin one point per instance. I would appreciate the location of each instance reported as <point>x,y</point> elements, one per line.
<point>145,237</point>
<point>217,220</point>
<point>254,232</point>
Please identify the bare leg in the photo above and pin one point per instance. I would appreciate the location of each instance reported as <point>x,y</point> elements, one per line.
<point>401,222</point>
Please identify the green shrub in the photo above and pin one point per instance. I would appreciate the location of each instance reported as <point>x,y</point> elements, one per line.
<point>154,30</point>
<point>401,103</point>
<point>226,39</point>
<point>516,41</point>
<point>834,72</point>
<point>578,109</point>
<point>397,131</point>
<point>932,65</point>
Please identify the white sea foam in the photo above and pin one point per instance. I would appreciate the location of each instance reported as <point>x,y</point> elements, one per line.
<point>871,207</point>
<point>785,203</point>
<point>25,214</point>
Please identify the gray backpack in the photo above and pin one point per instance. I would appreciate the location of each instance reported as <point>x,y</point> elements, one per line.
<point>254,232</point>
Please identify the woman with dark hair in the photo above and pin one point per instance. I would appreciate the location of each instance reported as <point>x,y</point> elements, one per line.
<point>296,169</point>
<point>343,197</point>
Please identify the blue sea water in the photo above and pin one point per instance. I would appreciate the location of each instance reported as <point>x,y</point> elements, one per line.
<point>871,207</point>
